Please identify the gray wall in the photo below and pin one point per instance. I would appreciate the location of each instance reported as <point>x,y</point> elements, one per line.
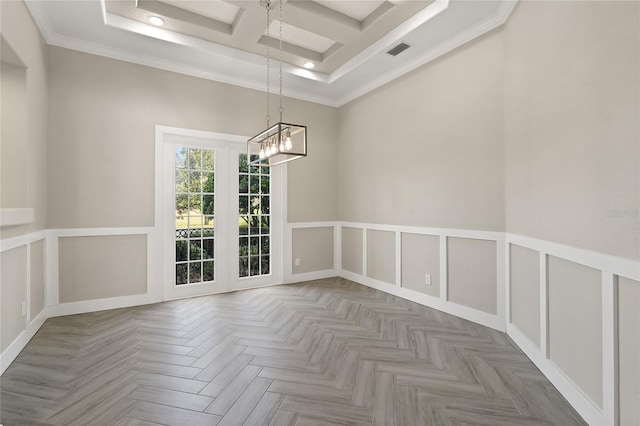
<point>472,273</point>
<point>314,248</point>
<point>571,109</point>
<point>381,255</point>
<point>575,324</point>
<point>102,136</point>
<point>352,250</point>
<point>98,267</point>
<point>421,256</point>
<point>427,148</point>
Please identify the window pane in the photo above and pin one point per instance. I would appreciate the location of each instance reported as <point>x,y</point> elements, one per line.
<point>254,246</point>
<point>243,204</point>
<point>182,222</point>
<point>208,232</point>
<point>182,204</point>
<point>254,204</point>
<point>264,185</point>
<point>207,271</point>
<point>195,272</point>
<point>243,246</point>
<point>254,184</point>
<point>181,157</point>
<point>264,266</point>
<point>264,245</point>
<point>208,160</point>
<point>243,225</point>
<point>182,181</point>
<point>208,183</point>
<point>195,250</point>
<point>208,222</point>
<point>181,274</point>
<point>265,205</point>
<point>254,265</point>
<point>244,267</point>
<point>195,204</point>
<point>195,157</point>
<point>182,250</point>
<point>207,248</point>
<point>243,184</point>
<point>195,222</point>
<point>195,181</point>
<point>208,204</point>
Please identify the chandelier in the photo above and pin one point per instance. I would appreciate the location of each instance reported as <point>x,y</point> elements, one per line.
<point>281,142</point>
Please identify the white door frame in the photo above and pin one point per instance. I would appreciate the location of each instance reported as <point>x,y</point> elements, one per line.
<point>226,278</point>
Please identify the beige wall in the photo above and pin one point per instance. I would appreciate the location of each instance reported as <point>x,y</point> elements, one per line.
<point>571,124</point>
<point>99,267</point>
<point>352,250</point>
<point>629,352</point>
<point>101,131</point>
<point>524,268</point>
<point>427,148</point>
<point>421,256</point>
<point>14,137</point>
<point>381,255</point>
<point>472,273</point>
<point>37,269</point>
<point>575,324</point>
<point>21,40</point>
<point>314,248</point>
<point>13,291</point>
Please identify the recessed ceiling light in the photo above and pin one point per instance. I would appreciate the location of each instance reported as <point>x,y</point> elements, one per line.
<point>309,65</point>
<point>156,20</point>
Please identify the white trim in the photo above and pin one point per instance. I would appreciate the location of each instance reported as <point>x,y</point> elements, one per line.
<point>501,284</point>
<point>99,232</point>
<point>398,259</point>
<point>589,411</point>
<point>83,306</point>
<point>310,276</point>
<point>605,262</point>
<point>609,347</point>
<point>544,305</point>
<point>14,242</point>
<point>10,354</point>
<point>444,268</point>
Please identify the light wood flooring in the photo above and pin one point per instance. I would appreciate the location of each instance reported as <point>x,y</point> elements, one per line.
<point>325,352</point>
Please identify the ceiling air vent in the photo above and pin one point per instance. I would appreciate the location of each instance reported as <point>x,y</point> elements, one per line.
<point>398,49</point>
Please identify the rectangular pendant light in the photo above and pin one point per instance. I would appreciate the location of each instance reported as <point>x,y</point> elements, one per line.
<point>278,144</point>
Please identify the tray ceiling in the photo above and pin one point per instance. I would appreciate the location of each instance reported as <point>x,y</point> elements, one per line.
<point>346,40</point>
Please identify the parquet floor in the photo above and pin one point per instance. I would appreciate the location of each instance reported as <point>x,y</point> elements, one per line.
<point>325,352</point>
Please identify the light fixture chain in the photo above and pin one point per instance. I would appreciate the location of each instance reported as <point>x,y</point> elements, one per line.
<point>267,4</point>
<point>281,108</point>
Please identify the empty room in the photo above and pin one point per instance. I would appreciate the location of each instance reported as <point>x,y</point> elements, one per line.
<point>319,212</point>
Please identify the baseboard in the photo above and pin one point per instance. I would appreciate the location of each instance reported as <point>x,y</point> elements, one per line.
<point>72,308</point>
<point>310,276</point>
<point>483,318</point>
<point>14,349</point>
<point>589,411</point>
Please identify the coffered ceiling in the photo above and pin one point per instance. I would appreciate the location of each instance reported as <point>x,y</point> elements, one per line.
<point>345,40</point>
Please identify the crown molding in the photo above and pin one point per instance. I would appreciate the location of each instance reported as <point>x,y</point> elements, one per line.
<point>499,18</point>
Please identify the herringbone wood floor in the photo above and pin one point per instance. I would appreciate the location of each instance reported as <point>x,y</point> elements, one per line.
<point>320,353</point>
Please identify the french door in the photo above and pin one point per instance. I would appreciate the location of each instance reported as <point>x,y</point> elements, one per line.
<point>222,221</point>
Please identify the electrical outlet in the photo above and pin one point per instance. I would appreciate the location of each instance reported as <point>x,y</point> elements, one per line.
<point>297,261</point>
<point>24,309</point>
<point>427,279</point>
